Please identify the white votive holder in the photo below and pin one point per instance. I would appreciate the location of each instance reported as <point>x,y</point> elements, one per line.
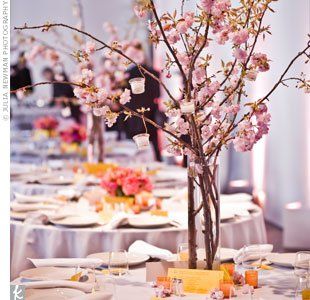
<point>142,140</point>
<point>137,85</point>
<point>187,107</point>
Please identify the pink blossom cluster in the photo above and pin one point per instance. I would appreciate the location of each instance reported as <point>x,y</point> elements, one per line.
<point>46,123</point>
<point>121,181</point>
<point>43,52</point>
<point>251,130</point>
<point>75,134</point>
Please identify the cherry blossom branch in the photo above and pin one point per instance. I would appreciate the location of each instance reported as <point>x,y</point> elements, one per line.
<point>166,40</point>
<point>46,27</point>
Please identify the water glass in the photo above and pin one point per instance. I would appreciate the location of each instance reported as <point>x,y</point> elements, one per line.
<point>118,263</point>
<point>252,256</point>
<point>302,271</point>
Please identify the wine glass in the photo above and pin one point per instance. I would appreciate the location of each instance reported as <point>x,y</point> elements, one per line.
<point>183,252</point>
<point>252,256</point>
<point>302,271</point>
<point>118,263</point>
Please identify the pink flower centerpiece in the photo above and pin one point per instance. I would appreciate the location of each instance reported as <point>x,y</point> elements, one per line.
<point>125,182</point>
<point>46,126</point>
<point>75,134</point>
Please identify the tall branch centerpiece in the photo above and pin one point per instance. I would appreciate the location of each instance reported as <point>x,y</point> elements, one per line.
<point>214,109</point>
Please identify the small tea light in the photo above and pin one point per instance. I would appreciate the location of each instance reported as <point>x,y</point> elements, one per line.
<point>229,267</point>
<point>97,111</point>
<point>142,140</point>
<point>227,288</point>
<point>137,85</point>
<point>251,278</point>
<point>187,107</point>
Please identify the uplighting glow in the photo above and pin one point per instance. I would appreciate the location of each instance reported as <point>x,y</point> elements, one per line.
<point>293,205</point>
<point>239,183</point>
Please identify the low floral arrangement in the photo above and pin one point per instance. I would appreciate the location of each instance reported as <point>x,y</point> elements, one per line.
<point>75,134</point>
<point>122,182</point>
<point>46,126</point>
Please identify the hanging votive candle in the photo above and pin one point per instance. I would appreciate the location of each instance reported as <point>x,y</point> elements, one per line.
<point>98,111</point>
<point>187,107</point>
<point>137,85</point>
<point>142,140</point>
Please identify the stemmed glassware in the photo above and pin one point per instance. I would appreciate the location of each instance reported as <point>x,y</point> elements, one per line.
<point>302,271</point>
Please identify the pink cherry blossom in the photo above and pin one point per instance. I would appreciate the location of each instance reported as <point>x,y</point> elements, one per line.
<point>173,36</point>
<point>182,126</point>
<point>207,5</point>
<point>239,37</point>
<point>240,54</point>
<point>182,26</point>
<point>251,75</point>
<point>260,61</point>
<point>139,11</point>
<point>189,18</point>
<point>125,97</point>
<point>90,47</point>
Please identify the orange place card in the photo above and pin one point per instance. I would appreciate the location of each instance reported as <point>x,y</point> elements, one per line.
<point>197,281</point>
<point>305,294</point>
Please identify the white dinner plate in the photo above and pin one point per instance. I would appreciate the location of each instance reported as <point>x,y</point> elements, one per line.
<point>164,192</point>
<point>52,294</point>
<point>134,259</point>
<point>77,221</point>
<point>282,259</point>
<point>148,221</point>
<point>56,180</point>
<point>48,273</point>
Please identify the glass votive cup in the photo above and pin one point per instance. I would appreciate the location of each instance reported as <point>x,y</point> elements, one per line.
<point>187,107</point>
<point>137,85</point>
<point>183,252</point>
<point>251,278</point>
<point>142,140</point>
<point>229,267</point>
<point>163,281</point>
<point>227,287</point>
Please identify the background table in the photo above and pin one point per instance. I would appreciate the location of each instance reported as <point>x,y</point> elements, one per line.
<point>47,241</point>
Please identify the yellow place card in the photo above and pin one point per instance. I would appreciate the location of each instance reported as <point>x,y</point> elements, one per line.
<point>197,281</point>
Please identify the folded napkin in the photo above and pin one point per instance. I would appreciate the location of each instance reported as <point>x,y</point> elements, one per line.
<point>23,207</point>
<point>82,286</point>
<point>94,296</point>
<point>67,262</point>
<point>20,198</point>
<point>117,221</point>
<point>36,217</point>
<point>253,252</point>
<point>141,247</point>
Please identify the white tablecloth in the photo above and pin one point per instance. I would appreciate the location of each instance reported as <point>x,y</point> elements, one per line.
<point>40,241</point>
<point>277,284</point>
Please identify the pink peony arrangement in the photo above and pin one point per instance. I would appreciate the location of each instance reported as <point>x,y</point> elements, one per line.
<point>46,123</point>
<point>75,134</point>
<point>125,182</point>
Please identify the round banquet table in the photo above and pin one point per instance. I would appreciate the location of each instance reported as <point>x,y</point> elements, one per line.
<point>276,284</point>
<point>48,241</point>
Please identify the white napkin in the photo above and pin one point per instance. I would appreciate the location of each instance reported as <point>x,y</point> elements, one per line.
<point>117,220</point>
<point>82,286</point>
<point>36,217</point>
<point>67,262</point>
<point>255,252</point>
<point>36,199</point>
<point>23,207</point>
<point>94,296</point>
<point>141,247</point>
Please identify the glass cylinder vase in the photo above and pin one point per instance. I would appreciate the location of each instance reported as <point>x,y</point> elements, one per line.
<point>206,197</point>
